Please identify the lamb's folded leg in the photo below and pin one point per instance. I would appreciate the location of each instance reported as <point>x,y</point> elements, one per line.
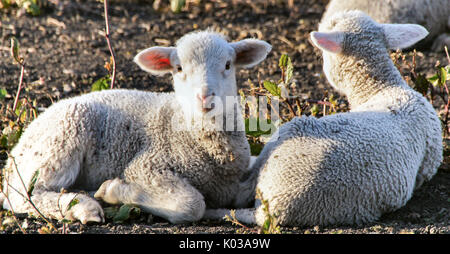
<point>57,205</point>
<point>46,196</point>
<point>246,216</point>
<point>171,198</point>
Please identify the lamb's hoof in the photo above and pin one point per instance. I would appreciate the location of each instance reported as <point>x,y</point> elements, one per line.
<point>105,192</point>
<point>87,210</point>
<point>101,192</point>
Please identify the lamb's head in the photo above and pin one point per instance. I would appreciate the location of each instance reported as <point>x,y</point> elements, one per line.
<point>352,40</point>
<point>203,65</point>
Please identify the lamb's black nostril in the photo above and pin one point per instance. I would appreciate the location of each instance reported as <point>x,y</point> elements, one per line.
<point>213,94</point>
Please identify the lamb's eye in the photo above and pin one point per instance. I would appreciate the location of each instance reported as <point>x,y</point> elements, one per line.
<point>227,65</point>
<point>179,69</point>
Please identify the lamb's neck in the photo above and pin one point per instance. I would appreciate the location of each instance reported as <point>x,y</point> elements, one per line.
<point>223,142</point>
<point>369,79</point>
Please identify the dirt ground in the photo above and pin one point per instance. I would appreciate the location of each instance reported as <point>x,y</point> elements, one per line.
<point>65,51</point>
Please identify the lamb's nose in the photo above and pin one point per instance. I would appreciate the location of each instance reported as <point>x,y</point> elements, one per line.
<point>204,98</point>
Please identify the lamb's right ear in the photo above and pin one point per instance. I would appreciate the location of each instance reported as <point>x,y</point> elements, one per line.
<point>328,41</point>
<point>400,36</point>
<point>156,60</point>
<point>250,52</point>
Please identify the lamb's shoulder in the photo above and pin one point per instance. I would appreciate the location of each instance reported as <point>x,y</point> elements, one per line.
<point>333,127</point>
<point>408,106</point>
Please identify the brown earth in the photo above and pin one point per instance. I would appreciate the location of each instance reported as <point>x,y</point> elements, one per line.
<point>65,51</point>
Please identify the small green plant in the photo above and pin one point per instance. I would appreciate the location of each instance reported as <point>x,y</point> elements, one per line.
<point>3,93</point>
<point>23,110</point>
<point>123,213</point>
<point>435,88</point>
<point>270,225</point>
<point>439,81</point>
<point>177,5</point>
<point>102,83</point>
<point>107,82</point>
<point>31,7</point>
<point>71,204</point>
<point>281,100</point>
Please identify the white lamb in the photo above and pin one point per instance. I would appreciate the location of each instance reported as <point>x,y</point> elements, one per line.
<point>135,147</point>
<point>350,168</point>
<point>434,15</point>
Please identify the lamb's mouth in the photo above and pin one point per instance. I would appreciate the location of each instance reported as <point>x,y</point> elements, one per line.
<point>207,109</point>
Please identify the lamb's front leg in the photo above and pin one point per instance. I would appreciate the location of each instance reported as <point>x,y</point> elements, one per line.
<point>170,197</point>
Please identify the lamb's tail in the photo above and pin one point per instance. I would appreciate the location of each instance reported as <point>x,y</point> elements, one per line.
<point>246,216</point>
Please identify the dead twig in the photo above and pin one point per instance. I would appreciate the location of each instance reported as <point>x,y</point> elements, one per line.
<point>28,198</point>
<point>12,209</point>
<point>68,207</point>
<point>113,56</point>
<point>232,218</point>
<point>446,52</point>
<point>15,54</point>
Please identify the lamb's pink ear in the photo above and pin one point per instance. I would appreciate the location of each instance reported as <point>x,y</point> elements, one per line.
<point>250,52</point>
<point>400,36</point>
<point>328,41</point>
<point>156,60</point>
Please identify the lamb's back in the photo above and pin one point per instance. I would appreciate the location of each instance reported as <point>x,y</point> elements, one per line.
<point>361,163</point>
<point>98,133</point>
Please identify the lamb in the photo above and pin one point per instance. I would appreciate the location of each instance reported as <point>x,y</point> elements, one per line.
<point>434,15</point>
<point>349,168</point>
<point>138,147</point>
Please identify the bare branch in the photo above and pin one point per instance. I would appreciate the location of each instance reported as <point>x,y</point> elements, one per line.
<point>12,211</point>
<point>28,198</point>
<point>113,56</point>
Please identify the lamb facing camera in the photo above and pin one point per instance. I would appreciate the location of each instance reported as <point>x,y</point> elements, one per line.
<point>350,168</point>
<point>123,144</point>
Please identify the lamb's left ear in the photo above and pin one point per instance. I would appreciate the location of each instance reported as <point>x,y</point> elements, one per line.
<point>250,52</point>
<point>400,36</point>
